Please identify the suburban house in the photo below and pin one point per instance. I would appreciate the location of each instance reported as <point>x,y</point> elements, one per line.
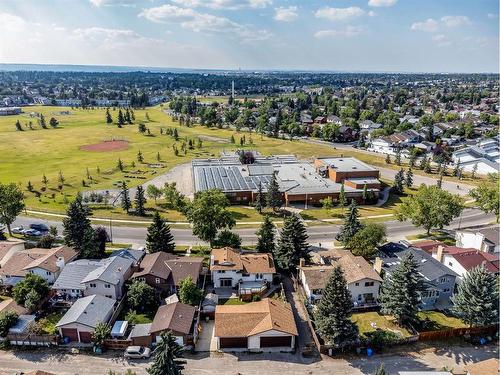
<point>485,239</point>
<point>367,126</point>
<point>332,119</point>
<point>484,156</point>
<point>135,255</point>
<point>109,279</point>
<point>251,273</point>
<point>177,318</point>
<point>267,325</point>
<point>461,260</point>
<point>69,285</point>
<point>9,304</point>
<point>439,280</point>
<point>362,280</point>
<point>7,248</point>
<point>390,144</point>
<point>47,263</point>
<point>83,316</point>
<point>164,271</point>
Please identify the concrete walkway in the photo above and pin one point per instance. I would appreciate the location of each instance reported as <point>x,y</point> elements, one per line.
<point>206,340</point>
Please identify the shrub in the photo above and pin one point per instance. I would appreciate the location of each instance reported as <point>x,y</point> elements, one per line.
<point>7,320</point>
<point>381,339</point>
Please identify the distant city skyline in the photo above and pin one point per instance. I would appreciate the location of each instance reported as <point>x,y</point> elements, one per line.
<point>317,35</point>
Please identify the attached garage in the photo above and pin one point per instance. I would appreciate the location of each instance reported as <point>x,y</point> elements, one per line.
<point>233,342</point>
<point>275,341</point>
<point>85,337</point>
<point>72,333</point>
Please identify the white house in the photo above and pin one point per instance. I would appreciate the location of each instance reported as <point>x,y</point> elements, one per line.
<point>483,239</point>
<point>80,320</point>
<point>362,280</point>
<point>266,325</point>
<point>109,279</point>
<point>231,268</point>
<point>382,145</point>
<point>69,284</point>
<point>484,157</point>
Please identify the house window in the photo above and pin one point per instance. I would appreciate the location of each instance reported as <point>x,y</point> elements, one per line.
<point>92,285</point>
<point>357,284</point>
<point>359,297</point>
<point>369,283</point>
<point>157,280</point>
<point>244,274</point>
<point>48,273</point>
<point>450,264</point>
<point>446,290</point>
<point>108,296</point>
<point>143,279</point>
<point>107,286</point>
<point>221,271</point>
<point>443,279</point>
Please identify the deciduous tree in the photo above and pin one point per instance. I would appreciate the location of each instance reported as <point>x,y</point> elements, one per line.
<point>11,204</point>
<point>189,293</point>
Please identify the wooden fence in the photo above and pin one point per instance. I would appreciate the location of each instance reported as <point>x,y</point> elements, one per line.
<point>26,339</point>
<point>457,332</point>
<point>117,344</point>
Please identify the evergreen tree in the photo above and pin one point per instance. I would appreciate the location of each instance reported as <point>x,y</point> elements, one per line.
<point>159,237</point>
<point>398,156</point>
<point>409,178</point>
<point>121,119</point>
<point>399,180</point>
<point>127,117</point>
<point>423,163</point>
<point>456,170</point>
<point>140,158</point>
<point>18,126</point>
<point>90,245</point>
<point>109,119</point>
<point>76,223</point>
<point>476,302</point>
<point>412,160</point>
<point>333,312</point>
<point>273,197</point>
<point>119,165</point>
<point>365,193</point>
<point>165,360</point>
<point>102,237</point>
<point>126,204</point>
<point>342,196</point>
<point>292,245</point>
<point>388,159</point>
<point>474,171</point>
<point>42,122</point>
<point>351,224</point>
<point>400,294</point>
<point>140,201</point>
<point>29,187</point>
<point>265,237</point>
<point>260,200</point>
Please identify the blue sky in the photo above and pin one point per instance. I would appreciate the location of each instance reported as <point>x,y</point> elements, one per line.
<point>345,35</point>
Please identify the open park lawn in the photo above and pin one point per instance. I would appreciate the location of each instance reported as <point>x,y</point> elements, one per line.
<point>28,155</point>
<point>371,321</point>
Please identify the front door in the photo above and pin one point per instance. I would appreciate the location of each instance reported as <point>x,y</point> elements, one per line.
<point>226,283</point>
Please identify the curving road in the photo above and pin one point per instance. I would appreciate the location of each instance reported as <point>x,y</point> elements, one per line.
<point>323,234</point>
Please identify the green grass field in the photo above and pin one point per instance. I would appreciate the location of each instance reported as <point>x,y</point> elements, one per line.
<point>364,322</point>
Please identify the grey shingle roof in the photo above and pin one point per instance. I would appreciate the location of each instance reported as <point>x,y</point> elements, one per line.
<point>111,270</point>
<point>88,311</point>
<point>135,255</point>
<point>140,330</point>
<point>73,273</point>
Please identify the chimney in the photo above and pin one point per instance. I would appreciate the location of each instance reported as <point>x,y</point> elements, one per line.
<point>439,255</point>
<point>60,263</point>
<point>302,262</point>
<point>377,266</point>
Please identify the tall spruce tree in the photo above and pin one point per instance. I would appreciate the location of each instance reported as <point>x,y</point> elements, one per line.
<point>476,302</point>
<point>109,119</point>
<point>409,178</point>
<point>165,360</point>
<point>342,196</point>
<point>90,245</point>
<point>400,294</point>
<point>398,156</point>
<point>76,223</point>
<point>334,311</point>
<point>140,201</point>
<point>159,237</point>
<point>126,203</point>
<point>121,119</point>
<point>265,237</point>
<point>260,200</point>
<point>273,198</point>
<point>292,245</point>
<point>351,224</point>
<point>399,181</point>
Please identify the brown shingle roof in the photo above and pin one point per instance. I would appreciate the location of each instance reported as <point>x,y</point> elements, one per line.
<point>254,318</point>
<point>167,266</point>
<point>355,269</point>
<point>48,262</point>
<point>10,305</point>
<point>488,367</point>
<point>230,259</point>
<point>176,317</point>
<point>5,246</point>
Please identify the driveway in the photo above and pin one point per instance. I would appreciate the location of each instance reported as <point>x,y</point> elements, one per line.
<point>206,340</point>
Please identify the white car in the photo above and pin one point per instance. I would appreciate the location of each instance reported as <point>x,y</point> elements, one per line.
<point>18,230</point>
<point>137,352</point>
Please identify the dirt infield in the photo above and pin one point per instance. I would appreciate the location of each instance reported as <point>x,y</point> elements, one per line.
<point>106,146</point>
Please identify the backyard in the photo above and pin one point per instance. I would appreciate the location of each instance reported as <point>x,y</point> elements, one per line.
<point>368,322</point>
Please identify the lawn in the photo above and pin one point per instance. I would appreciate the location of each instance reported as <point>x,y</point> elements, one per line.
<point>364,322</point>
<point>435,235</point>
<point>232,301</point>
<point>438,320</point>
<point>30,154</point>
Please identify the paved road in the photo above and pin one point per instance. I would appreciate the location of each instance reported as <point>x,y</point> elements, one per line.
<point>387,173</point>
<point>227,364</point>
<point>317,233</point>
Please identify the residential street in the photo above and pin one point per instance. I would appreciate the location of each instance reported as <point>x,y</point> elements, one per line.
<point>455,357</point>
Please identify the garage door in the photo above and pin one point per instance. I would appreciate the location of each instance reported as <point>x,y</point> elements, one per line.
<point>274,341</point>
<point>85,336</point>
<point>233,342</point>
<point>72,333</point>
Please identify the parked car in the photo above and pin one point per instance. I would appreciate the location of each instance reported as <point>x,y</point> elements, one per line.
<point>137,352</point>
<point>18,230</point>
<point>32,233</point>
<point>39,227</point>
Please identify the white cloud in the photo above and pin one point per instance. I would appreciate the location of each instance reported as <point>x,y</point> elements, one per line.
<point>202,22</point>
<point>348,32</point>
<point>371,13</point>
<point>339,14</point>
<point>287,14</point>
<point>441,40</point>
<point>430,25</point>
<point>382,3</point>
<point>224,4</point>
<point>123,3</point>
<point>455,21</point>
